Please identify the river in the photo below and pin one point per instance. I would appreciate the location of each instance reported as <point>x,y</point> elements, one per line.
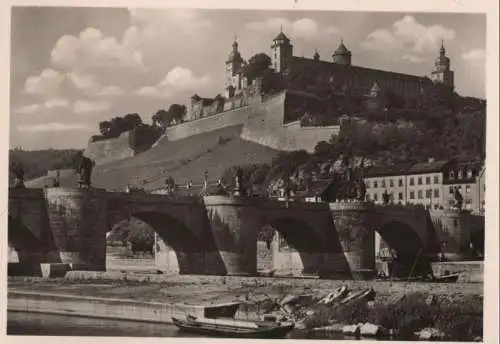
<point>38,324</point>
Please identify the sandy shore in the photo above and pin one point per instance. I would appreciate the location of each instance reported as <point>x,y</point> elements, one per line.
<point>195,289</point>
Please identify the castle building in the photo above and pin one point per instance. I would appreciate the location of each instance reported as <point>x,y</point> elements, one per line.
<point>339,73</point>
<point>442,72</point>
<point>282,53</point>
<point>338,76</point>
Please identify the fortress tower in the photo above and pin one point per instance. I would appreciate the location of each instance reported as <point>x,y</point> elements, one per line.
<point>282,52</point>
<point>342,55</point>
<point>442,72</point>
<point>233,65</point>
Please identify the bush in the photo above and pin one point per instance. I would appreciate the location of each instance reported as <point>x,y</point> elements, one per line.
<point>459,319</point>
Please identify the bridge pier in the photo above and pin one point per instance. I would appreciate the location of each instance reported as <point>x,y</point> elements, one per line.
<point>453,228</point>
<point>235,224</point>
<point>353,222</point>
<point>77,219</point>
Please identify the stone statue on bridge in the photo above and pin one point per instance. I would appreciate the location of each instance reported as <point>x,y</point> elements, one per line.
<point>458,199</point>
<point>18,174</point>
<point>361,190</point>
<point>238,180</point>
<point>386,197</point>
<point>85,172</point>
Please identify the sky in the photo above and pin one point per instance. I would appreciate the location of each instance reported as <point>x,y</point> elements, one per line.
<point>74,67</point>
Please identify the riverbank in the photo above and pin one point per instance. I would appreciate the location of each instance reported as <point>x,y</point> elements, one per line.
<point>135,297</point>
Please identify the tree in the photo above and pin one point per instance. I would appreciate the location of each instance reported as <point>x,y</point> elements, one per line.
<point>141,238</point>
<point>256,66</point>
<point>130,121</point>
<point>105,128</point>
<point>164,118</point>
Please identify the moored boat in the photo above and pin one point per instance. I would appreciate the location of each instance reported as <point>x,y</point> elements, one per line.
<point>450,278</point>
<point>232,328</point>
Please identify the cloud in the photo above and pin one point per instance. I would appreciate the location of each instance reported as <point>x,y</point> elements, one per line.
<point>179,79</point>
<point>155,22</point>
<point>47,82</point>
<point>91,50</point>
<point>304,28</point>
<point>408,35</point>
<point>92,86</point>
<point>56,103</point>
<point>28,109</point>
<point>474,55</point>
<point>85,106</point>
<point>110,91</point>
<point>52,103</point>
<point>83,81</point>
<point>54,126</point>
<point>412,58</point>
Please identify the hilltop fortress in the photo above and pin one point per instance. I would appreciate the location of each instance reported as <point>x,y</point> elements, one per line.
<point>280,107</point>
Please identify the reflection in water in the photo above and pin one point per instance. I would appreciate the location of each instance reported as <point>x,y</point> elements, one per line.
<point>24,323</point>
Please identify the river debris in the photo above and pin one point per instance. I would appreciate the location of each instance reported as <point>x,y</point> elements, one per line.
<point>430,333</point>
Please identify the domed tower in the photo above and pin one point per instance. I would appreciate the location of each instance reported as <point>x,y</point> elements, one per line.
<point>442,72</point>
<point>282,52</point>
<point>233,65</point>
<point>342,55</point>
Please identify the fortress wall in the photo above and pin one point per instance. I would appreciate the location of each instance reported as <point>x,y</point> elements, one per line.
<point>266,128</point>
<point>109,150</point>
<point>207,124</point>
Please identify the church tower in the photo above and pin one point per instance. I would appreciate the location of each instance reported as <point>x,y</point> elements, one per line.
<point>342,55</point>
<point>442,72</point>
<point>233,65</point>
<point>282,52</point>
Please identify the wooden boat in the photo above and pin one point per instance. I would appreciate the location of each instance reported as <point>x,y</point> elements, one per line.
<point>339,293</point>
<point>363,295</point>
<point>232,328</point>
<point>450,278</point>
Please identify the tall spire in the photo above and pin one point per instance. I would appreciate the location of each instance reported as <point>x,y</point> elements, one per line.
<point>442,51</point>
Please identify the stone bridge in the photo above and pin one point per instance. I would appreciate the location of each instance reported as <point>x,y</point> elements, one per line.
<point>218,234</point>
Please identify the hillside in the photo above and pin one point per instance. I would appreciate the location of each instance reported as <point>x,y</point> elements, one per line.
<point>185,160</point>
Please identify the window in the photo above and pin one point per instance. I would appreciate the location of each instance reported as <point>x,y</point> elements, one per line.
<point>436,206</point>
<point>412,194</point>
<point>451,175</point>
<point>375,184</point>
<point>428,193</point>
<point>451,189</point>
<point>391,183</point>
<point>382,183</point>
<point>412,181</point>
<point>375,197</point>
<point>400,182</point>
<point>400,196</point>
<point>467,188</point>
<point>420,194</point>
<point>419,180</point>
<point>469,173</point>
<point>436,179</point>
<point>436,193</point>
<point>460,174</point>
<point>367,183</point>
<point>427,180</point>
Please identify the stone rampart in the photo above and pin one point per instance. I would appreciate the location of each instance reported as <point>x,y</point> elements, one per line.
<point>105,151</point>
<point>263,123</point>
<point>207,124</point>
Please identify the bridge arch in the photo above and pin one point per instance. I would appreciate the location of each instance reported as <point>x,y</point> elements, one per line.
<point>406,249</point>
<point>296,248</point>
<point>176,248</point>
